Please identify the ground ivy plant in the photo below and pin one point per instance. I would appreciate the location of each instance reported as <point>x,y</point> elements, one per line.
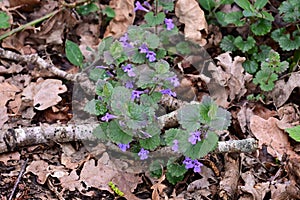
<point>130,82</point>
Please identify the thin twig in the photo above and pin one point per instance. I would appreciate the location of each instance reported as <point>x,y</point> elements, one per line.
<point>18,179</point>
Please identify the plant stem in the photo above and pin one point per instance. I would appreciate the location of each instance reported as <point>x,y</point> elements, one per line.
<point>20,28</point>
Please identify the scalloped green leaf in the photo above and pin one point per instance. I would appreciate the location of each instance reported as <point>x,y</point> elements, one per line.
<point>95,107</point>
<point>261,27</point>
<point>73,53</point>
<point>259,4</point>
<point>189,117</point>
<point>250,66</point>
<point>285,41</point>
<point>116,134</point>
<point>227,43</point>
<point>244,46</point>
<point>171,135</point>
<point>150,143</point>
<point>120,97</point>
<point>234,18</point>
<point>154,20</point>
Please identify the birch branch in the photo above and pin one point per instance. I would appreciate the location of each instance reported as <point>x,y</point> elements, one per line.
<point>13,139</point>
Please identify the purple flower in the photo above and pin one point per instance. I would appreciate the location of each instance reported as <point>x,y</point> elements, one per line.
<point>129,70</point>
<point>136,94</point>
<point>195,137</point>
<point>175,145</point>
<point>169,24</point>
<point>189,164</point>
<point>174,80</point>
<point>168,92</point>
<point>197,166</point>
<point>151,56</point>
<point>124,41</point>
<point>146,3</point>
<point>129,84</point>
<point>124,147</point>
<point>138,6</point>
<point>108,117</point>
<point>143,48</point>
<point>143,154</point>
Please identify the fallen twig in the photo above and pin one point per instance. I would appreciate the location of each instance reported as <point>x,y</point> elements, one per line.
<point>18,179</point>
<point>21,137</point>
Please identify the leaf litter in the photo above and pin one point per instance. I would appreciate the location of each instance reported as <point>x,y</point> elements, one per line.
<point>22,98</point>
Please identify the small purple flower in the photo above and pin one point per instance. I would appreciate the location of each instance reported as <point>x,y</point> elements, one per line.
<point>136,94</point>
<point>174,80</point>
<point>189,163</point>
<point>124,147</point>
<point>195,137</point>
<point>143,48</point>
<point>169,24</point>
<point>146,3</point>
<point>197,166</point>
<point>108,117</point>
<point>175,146</point>
<point>151,56</point>
<point>168,92</point>
<point>124,41</point>
<point>138,6</point>
<point>129,84</point>
<point>129,70</point>
<point>143,154</point>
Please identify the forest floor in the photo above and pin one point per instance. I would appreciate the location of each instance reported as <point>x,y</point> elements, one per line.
<point>39,93</point>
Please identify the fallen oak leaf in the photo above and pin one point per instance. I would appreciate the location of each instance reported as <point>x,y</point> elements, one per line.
<point>158,188</point>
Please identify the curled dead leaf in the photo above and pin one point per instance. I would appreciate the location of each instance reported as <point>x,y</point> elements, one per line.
<point>192,16</point>
<point>124,17</point>
<point>44,93</point>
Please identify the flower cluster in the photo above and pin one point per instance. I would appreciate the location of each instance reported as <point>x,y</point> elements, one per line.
<point>169,24</point>
<point>150,55</point>
<point>195,137</point>
<point>124,147</point>
<point>143,154</point>
<point>168,92</point>
<point>192,164</point>
<point>129,70</point>
<point>135,94</point>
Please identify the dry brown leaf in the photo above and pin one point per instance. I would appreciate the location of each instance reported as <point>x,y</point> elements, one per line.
<point>3,115</point>
<point>15,105</point>
<point>15,156</point>
<point>71,181</point>
<point>44,93</point>
<point>289,116</point>
<point>125,15</point>
<point>40,169</point>
<point>158,188</point>
<point>267,132</point>
<point>7,92</point>
<point>127,183</point>
<point>229,78</point>
<point>283,90</point>
<point>191,15</point>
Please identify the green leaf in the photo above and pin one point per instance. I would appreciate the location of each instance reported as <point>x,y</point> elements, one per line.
<point>189,117</point>
<point>97,74</point>
<point>151,100</point>
<point>261,27</point>
<point>175,172</point>
<point>207,4</point>
<point>234,18</point>
<point>95,107</point>
<point>162,67</point>
<point>294,133</point>
<point>245,4</point>
<point>138,116</point>
<point>259,4</point>
<point>156,168</point>
<point>152,40</point>
<point>290,10</point>
<point>263,54</point>
<point>73,53</point>
<point>266,15</point>
<point>183,48</point>
<point>138,57</point>
<point>120,98</point>
<point>154,20</point>
<point>160,54</point>
<point>282,67</point>
<point>248,13</point>
<point>227,43</point>
<point>4,20</point>
<point>244,46</point>
<point>220,16</point>
<point>109,12</point>
<point>250,66</point>
<point>265,78</point>
<point>285,41</point>
<point>100,131</point>
<point>221,119</point>
<point>171,135</point>
<point>166,4</point>
<point>200,149</point>
<point>150,143</point>
<point>105,44</point>
<point>117,52</point>
<point>87,9</point>
<point>116,134</point>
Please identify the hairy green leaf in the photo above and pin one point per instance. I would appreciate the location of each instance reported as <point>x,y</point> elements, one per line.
<point>154,20</point>
<point>294,133</point>
<point>227,43</point>
<point>189,117</point>
<point>244,46</point>
<point>261,27</point>
<point>234,18</point>
<point>116,134</point>
<point>95,107</point>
